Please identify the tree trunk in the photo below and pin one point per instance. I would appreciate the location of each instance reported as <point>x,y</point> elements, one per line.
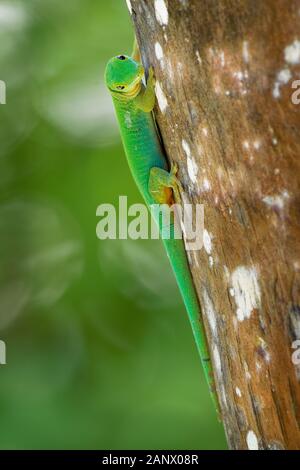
<point>224,71</point>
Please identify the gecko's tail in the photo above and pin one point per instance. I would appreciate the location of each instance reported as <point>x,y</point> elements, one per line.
<point>178,258</point>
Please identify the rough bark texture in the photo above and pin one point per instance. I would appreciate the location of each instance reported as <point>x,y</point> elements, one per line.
<point>224,71</point>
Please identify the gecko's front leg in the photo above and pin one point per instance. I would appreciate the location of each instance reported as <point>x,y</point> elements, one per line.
<point>146,98</point>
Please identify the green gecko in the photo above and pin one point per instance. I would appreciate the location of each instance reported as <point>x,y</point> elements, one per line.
<point>134,104</point>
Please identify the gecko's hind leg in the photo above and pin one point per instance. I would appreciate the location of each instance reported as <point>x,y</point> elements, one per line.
<point>163,186</point>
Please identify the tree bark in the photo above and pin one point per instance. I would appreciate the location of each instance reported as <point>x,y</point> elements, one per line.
<point>224,71</point>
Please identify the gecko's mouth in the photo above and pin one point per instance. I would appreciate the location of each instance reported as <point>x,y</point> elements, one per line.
<point>135,87</point>
<point>132,89</point>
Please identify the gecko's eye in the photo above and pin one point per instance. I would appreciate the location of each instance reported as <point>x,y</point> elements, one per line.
<point>121,57</point>
<point>120,87</point>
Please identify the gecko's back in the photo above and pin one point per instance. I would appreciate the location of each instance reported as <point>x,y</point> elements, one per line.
<point>141,143</point>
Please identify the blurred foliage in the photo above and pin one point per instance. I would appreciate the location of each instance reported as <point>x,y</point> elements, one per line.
<point>99,350</point>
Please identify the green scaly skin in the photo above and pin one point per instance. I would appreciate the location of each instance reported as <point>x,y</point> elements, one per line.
<point>134,104</point>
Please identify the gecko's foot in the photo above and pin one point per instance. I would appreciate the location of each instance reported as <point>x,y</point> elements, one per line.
<point>163,186</point>
<point>151,78</point>
<point>174,168</point>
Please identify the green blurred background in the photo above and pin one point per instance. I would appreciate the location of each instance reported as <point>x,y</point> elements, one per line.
<point>99,350</point>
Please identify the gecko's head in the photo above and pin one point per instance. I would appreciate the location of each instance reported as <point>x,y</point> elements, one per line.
<point>123,76</point>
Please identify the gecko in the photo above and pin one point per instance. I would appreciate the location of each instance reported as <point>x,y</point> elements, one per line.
<point>134,102</point>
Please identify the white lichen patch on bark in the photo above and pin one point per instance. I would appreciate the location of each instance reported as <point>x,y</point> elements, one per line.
<point>247,373</point>
<point>161,12</point>
<point>210,313</point>
<point>192,166</point>
<point>292,57</point>
<point>161,98</point>
<point>252,441</point>
<point>222,58</point>
<point>186,148</point>
<point>207,242</point>
<point>254,145</point>
<point>283,77</point>
<point>276,201</point>
<point>246,288</point>
<point>158,51</point>
<point>246,55</point>
<point>192,169</point>
<point>263,348</point>
<point>238,392</point>
<point>206,185</point>
<point>292,53</point>
<point>217,360</point>
<point>257,144</point>
<point>198,57</point>
<point>218,370</point>
<point>226,272</point>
